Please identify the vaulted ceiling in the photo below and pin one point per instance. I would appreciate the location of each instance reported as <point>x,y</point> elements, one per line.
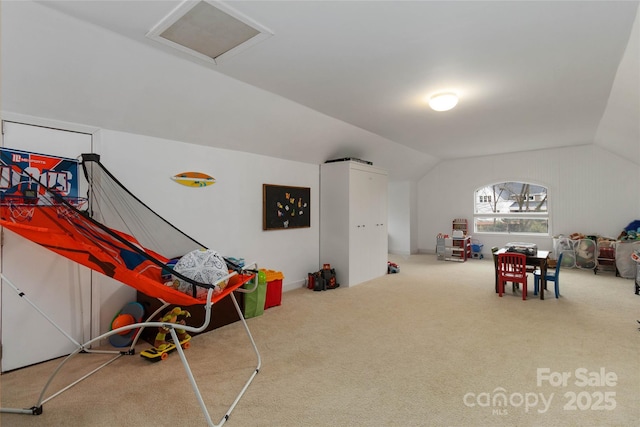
<point>340,78</point>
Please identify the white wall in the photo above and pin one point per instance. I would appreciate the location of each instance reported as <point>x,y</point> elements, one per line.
<point>226,216</point>
<point>402,221</point>
<point>591,191</point>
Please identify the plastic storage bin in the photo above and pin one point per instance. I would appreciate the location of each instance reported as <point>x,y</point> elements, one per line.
<point>274,288</point>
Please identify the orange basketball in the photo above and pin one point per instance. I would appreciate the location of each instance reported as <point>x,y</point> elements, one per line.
<point>122,320</point>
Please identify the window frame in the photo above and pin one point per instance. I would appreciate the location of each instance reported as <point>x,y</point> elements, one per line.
<point>510,215</point>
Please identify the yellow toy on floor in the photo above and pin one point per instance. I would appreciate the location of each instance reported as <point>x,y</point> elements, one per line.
<point>161,346</point>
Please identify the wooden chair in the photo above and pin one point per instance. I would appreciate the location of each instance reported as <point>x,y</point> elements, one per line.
<point>512,267</point>
<point>550,277</point>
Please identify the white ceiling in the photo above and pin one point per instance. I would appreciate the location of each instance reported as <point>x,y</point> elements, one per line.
<point>530,75</point>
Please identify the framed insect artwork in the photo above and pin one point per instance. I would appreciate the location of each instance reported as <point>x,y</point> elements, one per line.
<point>285,207</point>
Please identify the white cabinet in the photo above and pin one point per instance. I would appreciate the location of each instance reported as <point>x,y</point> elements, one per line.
<point>353,221</point>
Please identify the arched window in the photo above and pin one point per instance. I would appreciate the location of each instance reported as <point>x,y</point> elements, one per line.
<point>511,207</point>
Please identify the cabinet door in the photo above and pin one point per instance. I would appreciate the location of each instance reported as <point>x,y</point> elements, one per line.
<point>359,236</point>
<point>379,214</point>
<point>369,226</point>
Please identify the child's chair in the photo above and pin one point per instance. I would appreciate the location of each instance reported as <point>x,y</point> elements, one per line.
<point>551,277</point>
<point>512,267</point>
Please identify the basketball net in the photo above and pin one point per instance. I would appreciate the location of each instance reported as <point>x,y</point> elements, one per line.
<point>21,212</point>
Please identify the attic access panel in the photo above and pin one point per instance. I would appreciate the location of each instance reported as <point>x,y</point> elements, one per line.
<point>209,30</point>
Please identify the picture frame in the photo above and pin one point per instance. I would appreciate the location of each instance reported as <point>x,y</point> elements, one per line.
<point>285,207</point>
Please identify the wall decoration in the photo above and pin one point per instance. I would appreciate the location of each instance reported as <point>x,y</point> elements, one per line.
<point>285,207</point>
<point>194,179</point>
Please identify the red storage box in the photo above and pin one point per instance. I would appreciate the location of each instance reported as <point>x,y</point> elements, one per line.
<point>274,288</point>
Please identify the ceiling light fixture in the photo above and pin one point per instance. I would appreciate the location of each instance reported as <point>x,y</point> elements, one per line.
<point>443,101</point>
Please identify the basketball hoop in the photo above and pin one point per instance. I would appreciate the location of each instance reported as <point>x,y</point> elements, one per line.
<point>65,211</point>
<point>21,208</point>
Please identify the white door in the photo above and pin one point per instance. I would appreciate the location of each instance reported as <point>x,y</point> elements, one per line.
<point>59,287</point>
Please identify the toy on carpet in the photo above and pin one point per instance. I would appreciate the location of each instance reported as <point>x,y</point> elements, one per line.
<point>171,317</point>
<point>392,268</point>
<point>155,355</point>
<point>163,346</point>
<point>324,279</point>
<point>131,313</point>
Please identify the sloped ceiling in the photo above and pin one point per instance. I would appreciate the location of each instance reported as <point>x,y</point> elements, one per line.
<point>340,78</point>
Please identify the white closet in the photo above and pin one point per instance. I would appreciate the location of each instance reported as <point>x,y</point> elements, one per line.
<point>353,220</point>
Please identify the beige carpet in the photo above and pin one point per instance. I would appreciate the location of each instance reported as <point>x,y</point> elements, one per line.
<point>430,346</point>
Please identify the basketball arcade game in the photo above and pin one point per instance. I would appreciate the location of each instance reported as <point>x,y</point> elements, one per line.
<point>119,236</point>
